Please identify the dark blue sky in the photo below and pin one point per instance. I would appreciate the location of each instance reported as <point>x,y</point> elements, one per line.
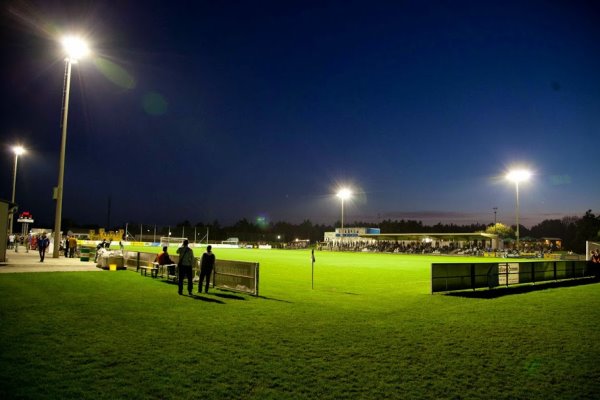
<point>223,110</point>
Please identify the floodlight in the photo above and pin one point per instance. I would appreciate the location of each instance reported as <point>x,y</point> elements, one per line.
<point>18,150</point>
<point>75,48</point>
<point>518,175</point>
<point>344,193</point>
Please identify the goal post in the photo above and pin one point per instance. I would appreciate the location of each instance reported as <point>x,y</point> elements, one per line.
<point>168,240</point>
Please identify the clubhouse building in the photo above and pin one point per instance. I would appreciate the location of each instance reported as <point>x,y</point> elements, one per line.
<point>372,238</point>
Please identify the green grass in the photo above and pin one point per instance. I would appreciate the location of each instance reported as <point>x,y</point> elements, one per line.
<point>369,330</point>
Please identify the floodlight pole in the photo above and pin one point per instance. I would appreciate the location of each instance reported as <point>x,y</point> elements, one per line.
<point>61,163</point>
<point>517,192</point>
<point>517,176</point>
<point>14,187</point>
<point>495,228</point>
<point>342,229</point>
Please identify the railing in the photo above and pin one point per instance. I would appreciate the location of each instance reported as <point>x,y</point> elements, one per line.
<point>447,277</point>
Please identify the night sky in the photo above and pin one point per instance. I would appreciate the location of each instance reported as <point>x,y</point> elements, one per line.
<point>205,110</point>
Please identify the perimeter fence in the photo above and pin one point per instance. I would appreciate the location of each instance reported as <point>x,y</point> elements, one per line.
<point>447,277</point>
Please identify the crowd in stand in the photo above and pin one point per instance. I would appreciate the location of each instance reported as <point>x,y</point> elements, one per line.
<point>388,246</point>
<point>416,247</point>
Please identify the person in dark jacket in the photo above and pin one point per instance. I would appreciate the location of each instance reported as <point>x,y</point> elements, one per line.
<point>185,266</point>
<point>43,244</point>
<point>207,264</point>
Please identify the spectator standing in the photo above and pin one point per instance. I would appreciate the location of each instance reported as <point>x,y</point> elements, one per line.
<point>65,245</point>
<point>72,246</point>
<point>186,261</point>
<point>42,245</point>
<point>206,268</point>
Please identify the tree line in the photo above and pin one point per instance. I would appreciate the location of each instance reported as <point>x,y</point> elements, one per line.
<point>572,230</point>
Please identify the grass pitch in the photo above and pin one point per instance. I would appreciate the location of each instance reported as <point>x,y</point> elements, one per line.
<point>369,330</point>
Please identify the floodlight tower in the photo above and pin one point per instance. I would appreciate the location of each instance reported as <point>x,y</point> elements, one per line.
<point>75,48</point>
<point>18,150</point>
<point>517,176</point>
<point>343,194</point>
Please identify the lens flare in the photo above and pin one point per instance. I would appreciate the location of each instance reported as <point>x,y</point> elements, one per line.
<point>115,73</point>
<point>154,104</point>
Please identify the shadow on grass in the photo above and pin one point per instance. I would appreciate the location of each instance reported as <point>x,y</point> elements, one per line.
<point>229,296</point>
<point>525,288</point>
<point>206,299</point>
<point>272,299</point>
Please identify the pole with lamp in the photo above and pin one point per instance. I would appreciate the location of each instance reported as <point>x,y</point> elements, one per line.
<point>343,194</point>
<point>18,150</point>
<point>75,48</point>
<point>517,176</point>
<point>495,229</point>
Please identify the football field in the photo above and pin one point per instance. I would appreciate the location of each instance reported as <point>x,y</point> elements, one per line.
<point>370,329</point>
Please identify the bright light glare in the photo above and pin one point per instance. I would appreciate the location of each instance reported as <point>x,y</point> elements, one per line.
<point>344,194</point>
<point>18,150</point>
<point>75,47</point>
<point>518,175</point>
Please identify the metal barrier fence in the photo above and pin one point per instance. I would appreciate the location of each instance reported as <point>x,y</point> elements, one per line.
<point>447,277</point>
<point>236,275</point>
<point>239,276</point>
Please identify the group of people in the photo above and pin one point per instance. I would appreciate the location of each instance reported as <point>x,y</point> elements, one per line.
<point>69,246</point>
<point>15,241</point>
<point>185,266</point>
<point>30,241</point>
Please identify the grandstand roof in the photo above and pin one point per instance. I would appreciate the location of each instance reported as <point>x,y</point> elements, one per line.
<point>438,236</point>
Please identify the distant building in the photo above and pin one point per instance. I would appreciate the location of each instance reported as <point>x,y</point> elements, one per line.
<point>353,237</point>
<point>351,232</point>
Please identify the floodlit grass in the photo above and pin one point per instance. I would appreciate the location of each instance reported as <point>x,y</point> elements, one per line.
<point>369,330</point>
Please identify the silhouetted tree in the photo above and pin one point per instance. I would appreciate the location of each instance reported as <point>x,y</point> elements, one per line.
<point>501,230</point>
